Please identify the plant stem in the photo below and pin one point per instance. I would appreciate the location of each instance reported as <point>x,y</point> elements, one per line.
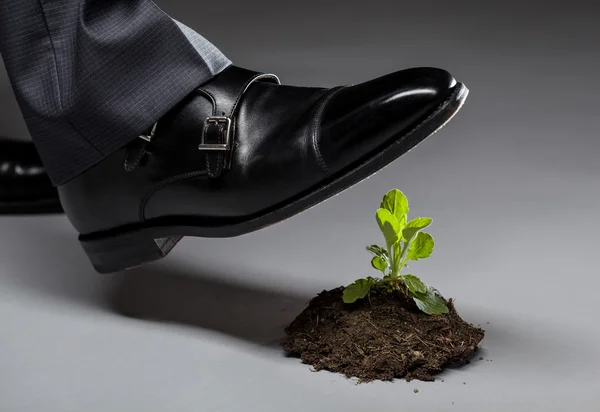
<point>390,251</point>
<point>402,257</point>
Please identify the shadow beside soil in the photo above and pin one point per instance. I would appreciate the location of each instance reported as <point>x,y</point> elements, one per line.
<point>174,295</point>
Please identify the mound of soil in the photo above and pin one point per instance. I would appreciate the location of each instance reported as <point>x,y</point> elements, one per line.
<point>383,338</point>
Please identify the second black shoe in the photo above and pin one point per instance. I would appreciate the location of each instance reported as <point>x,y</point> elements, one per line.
<point>25,187</point>
<point>243,152</point>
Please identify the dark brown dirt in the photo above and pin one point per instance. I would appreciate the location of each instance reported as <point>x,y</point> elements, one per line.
<point>383,338</point>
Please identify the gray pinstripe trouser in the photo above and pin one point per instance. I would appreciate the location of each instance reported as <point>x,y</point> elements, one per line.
<point>92,75</point>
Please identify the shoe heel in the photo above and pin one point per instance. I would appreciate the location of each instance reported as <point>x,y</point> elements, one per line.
<point>126,252</point>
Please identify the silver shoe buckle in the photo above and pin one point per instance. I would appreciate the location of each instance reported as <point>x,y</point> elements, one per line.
<point>220,125</point>
<point>150,136</point>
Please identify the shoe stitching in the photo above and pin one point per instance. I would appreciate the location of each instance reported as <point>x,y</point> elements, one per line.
<point>127,154</point>
<point>136,160</point>
<point>317,126</point>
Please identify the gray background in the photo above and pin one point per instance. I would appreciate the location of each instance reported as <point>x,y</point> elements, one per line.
<point>512,184</point>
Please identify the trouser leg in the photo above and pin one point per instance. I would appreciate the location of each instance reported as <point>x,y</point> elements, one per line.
<point>91,75</point>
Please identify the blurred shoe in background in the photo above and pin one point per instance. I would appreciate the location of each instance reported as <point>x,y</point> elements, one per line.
<point>25,188</point>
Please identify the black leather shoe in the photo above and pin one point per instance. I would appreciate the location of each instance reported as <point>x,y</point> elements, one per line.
<point>243,152</point>
<point>25,188</point>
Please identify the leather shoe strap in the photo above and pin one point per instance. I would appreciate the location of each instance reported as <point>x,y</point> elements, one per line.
<point>225,93</point>
<point>217,139</point>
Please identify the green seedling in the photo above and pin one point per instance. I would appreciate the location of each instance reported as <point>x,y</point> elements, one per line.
<point>404,241</point>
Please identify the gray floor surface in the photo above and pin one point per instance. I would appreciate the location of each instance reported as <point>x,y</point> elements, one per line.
<point>512,184</point>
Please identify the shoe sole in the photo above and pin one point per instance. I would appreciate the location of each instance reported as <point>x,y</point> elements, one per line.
<point>113,252</point>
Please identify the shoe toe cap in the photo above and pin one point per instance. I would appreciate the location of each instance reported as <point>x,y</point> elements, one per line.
<point>361,119</point>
